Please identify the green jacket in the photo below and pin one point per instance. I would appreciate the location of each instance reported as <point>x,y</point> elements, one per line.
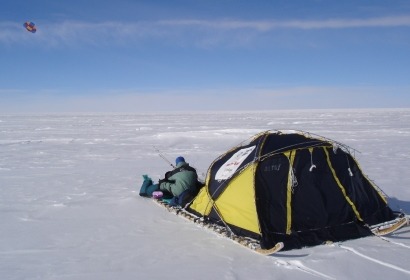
<point>182,178</point>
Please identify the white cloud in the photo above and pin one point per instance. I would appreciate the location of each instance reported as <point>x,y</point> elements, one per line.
<point>109,32</point>
<point>267,25</point>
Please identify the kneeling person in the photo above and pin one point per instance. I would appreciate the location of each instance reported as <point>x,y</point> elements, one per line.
<point>182,180</point>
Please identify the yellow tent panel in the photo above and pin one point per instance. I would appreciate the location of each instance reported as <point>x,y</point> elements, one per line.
<point>202,202</point>
<point>237,203</point>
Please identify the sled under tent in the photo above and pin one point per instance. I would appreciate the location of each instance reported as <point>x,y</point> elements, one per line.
<point>292,187</point>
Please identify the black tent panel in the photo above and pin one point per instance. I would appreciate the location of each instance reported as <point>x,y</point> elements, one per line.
<point>368,202</point>
<point>312,206</point>
<point>271,190</point>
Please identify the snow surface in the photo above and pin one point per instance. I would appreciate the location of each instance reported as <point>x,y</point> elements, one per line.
<point>69,204</point>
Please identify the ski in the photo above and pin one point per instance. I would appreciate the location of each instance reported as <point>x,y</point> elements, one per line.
<point>246,242</point>
<point>390,226</point>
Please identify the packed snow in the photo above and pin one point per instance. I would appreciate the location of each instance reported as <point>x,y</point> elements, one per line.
<point>70,209</point>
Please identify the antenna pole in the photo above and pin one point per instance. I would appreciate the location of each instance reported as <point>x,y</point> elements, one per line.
<point>162,156</point>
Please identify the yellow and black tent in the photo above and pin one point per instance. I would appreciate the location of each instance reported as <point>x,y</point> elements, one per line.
<point>292,187</point>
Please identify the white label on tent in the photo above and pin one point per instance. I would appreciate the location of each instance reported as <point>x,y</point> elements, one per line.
<point>230,167</point>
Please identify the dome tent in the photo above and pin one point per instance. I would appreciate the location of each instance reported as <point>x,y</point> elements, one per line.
<point>291,187</point>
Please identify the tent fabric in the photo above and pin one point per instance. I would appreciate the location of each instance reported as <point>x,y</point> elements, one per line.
<point>291,187</point>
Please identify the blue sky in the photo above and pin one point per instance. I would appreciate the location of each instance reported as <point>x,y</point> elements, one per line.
<point>138,56</point>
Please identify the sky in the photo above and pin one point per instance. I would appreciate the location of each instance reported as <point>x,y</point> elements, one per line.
<point>195,55</point>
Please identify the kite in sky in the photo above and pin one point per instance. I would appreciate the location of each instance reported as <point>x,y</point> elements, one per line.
<point>30,26</point>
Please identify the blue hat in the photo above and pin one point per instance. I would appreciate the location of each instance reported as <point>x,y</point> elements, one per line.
<point>179,159</point>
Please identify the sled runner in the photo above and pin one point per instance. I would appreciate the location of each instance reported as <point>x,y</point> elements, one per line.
<point>247,242</point>
<point>390,226</point>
